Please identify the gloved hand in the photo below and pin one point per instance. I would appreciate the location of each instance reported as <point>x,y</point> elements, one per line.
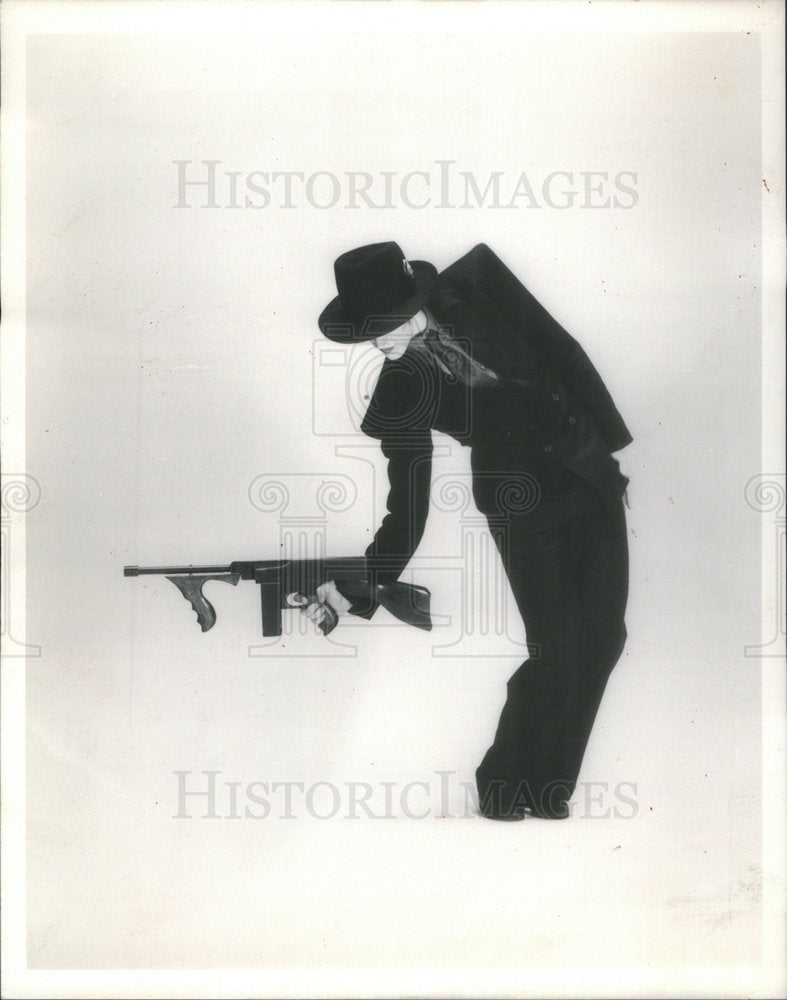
<point>326,609</point>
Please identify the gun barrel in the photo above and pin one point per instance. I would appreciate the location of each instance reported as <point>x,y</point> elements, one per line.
<point>172,570</point>
<point>308,573</point>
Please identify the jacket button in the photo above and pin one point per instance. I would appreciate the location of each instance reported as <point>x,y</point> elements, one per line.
<point>572,420</point>
<point>547,447</point>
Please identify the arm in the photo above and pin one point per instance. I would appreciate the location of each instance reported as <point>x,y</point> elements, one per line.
<point>397,538</point>
<point>409,477</point>
<point>399,417</point>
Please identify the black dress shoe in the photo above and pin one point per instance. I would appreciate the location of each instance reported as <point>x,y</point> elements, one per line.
<point>557,810</point>
<point>511,816</point>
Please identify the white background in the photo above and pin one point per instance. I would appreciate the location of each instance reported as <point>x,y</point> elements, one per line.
<point>173,356</point>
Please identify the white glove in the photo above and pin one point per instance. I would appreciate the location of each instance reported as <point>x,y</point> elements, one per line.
<point>327,594</point>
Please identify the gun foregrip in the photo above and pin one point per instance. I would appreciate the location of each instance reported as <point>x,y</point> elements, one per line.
<point>191,588</point>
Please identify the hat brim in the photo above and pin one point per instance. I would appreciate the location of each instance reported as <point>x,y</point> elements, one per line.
<point>337,325</point>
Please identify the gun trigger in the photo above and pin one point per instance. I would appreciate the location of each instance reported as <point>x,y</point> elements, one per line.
<point>191,588</point>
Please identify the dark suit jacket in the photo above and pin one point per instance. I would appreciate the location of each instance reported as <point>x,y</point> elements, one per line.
<point>544,411</point>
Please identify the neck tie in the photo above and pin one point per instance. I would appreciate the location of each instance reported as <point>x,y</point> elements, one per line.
<point>454,360</point>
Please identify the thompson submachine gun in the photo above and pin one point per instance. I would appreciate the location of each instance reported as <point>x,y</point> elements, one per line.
<point>284,582</point>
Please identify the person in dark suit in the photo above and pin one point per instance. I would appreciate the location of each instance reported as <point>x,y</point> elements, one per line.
<point>470,352</point>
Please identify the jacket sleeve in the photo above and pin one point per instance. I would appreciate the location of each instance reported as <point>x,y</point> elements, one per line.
<point>397,538</point>
<point>489,276</point>
<point>400,416</point>
<point>409,478</point>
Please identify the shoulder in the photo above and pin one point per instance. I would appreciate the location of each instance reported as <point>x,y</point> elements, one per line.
<point>478,272</point>
<point>403,398</point>
<point>468,264</point>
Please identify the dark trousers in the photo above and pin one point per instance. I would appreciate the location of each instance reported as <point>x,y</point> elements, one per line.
<point>567,563</point>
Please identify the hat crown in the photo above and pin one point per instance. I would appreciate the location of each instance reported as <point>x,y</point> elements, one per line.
<point>379,290</point>
<point>373,280</point>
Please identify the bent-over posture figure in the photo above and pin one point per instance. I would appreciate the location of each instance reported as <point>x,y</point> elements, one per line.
<point>470,352</point>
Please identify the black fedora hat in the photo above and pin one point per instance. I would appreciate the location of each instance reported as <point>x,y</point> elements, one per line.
<point>379,290</point>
